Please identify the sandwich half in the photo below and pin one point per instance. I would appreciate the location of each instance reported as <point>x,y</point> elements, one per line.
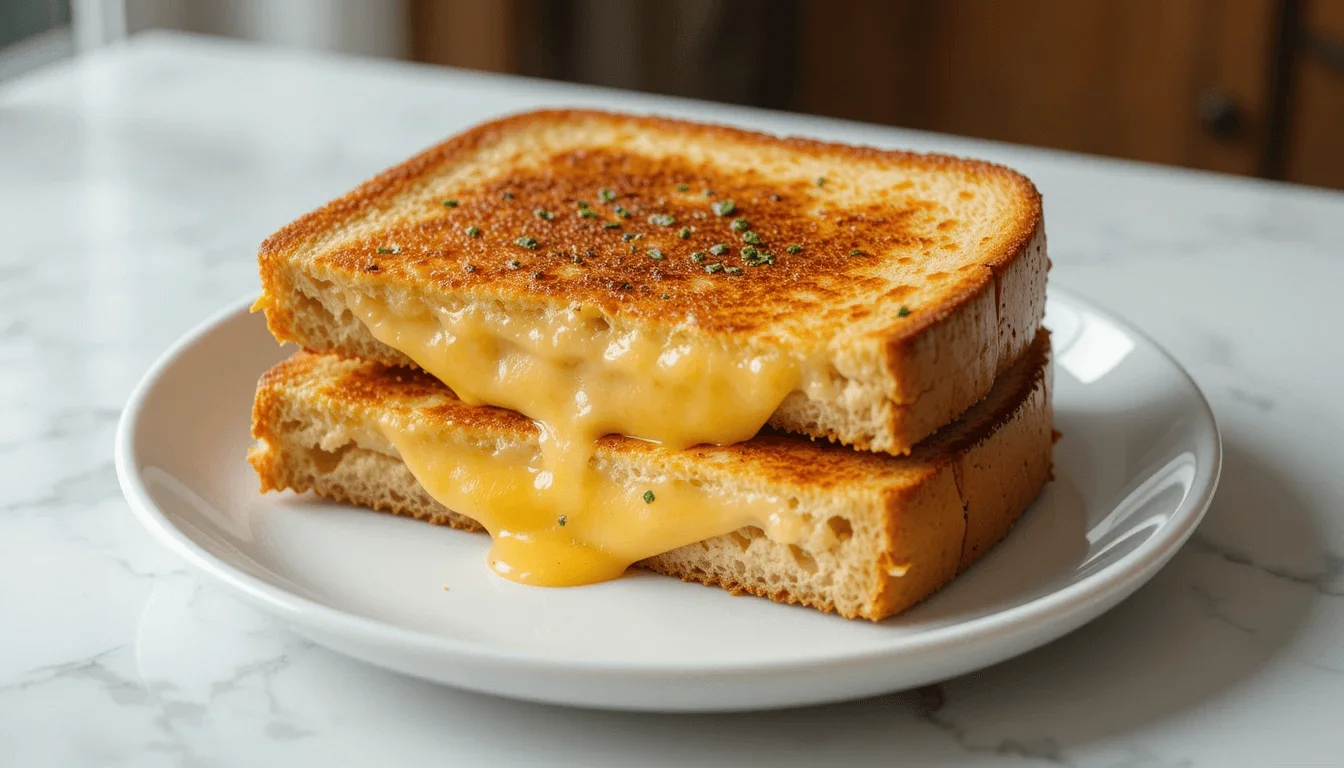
<point>863,534</point>
<point>680,282</point>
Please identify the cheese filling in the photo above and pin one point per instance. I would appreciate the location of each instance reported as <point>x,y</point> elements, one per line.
<point>539,538</point>
<point>553,520</point>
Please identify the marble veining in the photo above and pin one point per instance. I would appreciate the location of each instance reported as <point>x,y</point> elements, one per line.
<point>135,186</point>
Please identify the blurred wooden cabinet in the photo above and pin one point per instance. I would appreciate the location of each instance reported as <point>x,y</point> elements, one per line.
<point>1243,86</point>
<point>1226,85</point>
<point>1315,140</point>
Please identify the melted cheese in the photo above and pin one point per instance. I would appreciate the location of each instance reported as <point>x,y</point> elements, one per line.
<point>557,535</point>
<point>579,380</point>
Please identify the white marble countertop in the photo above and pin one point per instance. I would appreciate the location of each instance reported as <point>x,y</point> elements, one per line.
<point>135,186</point>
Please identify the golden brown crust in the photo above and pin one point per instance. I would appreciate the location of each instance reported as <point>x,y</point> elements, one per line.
<point>897,223</point>
<point>939,235</point>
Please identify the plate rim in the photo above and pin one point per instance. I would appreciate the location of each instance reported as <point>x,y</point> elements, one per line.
<point>1118,578</point>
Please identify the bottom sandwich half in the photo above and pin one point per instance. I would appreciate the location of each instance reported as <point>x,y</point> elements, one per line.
<point>866,535</point>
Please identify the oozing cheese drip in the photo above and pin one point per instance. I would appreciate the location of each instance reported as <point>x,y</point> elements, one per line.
<point>579,381</point>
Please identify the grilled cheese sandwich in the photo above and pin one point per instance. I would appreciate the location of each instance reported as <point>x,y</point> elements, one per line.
<point>680,284</point>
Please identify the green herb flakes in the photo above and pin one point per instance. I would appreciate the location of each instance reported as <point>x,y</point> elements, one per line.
<point>698,256</point>
<point>683,188</point>
<point>508,195</point>
<point>655,254</point>
<point>543,214</point>
<point>562,520</point>
<point>821,181</point>
<point>723,207</point>
<point>751,237</point>
<point>473,231</point>
<point>685,233</point>
<point>740,225</point>
<point>731,270</point>
<point>515,264</point>
<point>903,311</point>
<point>856,252</point>
<point>795,248</point>
<point>662,219</point>
<point>712,268</point>
<point>612,225</point>
<point>619,211</point>
<point>449,203</point>
<point>607,195</point>
<point>530,243</point>
<point>628,236</point>
<point>649,497</point>
<point>587,213</point>
<point>718,249</point>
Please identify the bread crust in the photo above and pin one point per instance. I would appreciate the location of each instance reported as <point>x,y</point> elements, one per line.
<point>969,272</point>
<point>906,525</point>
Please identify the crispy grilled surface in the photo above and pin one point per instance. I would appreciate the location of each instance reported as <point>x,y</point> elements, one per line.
<point>875,230</point>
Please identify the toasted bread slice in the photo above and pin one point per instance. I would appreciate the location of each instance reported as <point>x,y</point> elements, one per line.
<point>904,283</point>
<point>895,528</point>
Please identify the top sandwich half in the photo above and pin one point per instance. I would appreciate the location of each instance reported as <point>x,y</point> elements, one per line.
<point>674,281</point>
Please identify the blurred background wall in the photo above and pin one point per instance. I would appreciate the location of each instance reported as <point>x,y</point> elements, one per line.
<point>1252,87</point>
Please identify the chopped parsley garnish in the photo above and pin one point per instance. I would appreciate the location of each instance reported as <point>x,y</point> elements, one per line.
<point>562,520</point>
<point>655,254</point>
<point>542,214</point>
<point>856,252</point>
<point>449,203</point>
<point>751,237</point>
<point>740,225</point>
<point>587,213</point>
<point>607,195</point>
<point>685,233</point>
<point>718,249</point>
<point>473,231</point>
<point>821,181</point>
<point>624,214</point>
<point>662,219</point>
<point>515,264</point>
<point>649,497</point>
<point>731,270</point>
<point>903,311</point>
<point>754,258</point>
<point>683,187</point>
<point>385,249</point>
<point>469,268</point>
<point>712,268</point>
<point>529,243</point>
<point>581,203</point>
<point>723,207</point>
<point>628,236</point>
<point>698,256</point>
<point>665,296</point>
<point>612,225</point>
<point>795,248</point>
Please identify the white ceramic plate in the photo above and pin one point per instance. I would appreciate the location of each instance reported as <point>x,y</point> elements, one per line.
<point>1135,471</point>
